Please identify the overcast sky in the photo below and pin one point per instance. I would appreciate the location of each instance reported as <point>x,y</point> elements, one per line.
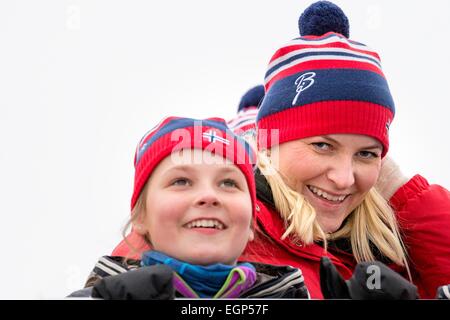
<point>82,81</point>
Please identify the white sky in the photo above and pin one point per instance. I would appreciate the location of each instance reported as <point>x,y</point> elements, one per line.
<point>82,81</point>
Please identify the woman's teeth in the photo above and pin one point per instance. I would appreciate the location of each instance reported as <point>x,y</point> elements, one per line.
<point>325,195</point>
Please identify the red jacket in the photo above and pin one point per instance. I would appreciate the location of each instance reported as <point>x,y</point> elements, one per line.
<point>423,212</point>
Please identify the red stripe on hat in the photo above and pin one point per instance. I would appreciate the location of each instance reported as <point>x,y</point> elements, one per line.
<point>326,117</point>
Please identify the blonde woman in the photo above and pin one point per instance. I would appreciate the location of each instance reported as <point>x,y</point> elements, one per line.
<point>323,130</point>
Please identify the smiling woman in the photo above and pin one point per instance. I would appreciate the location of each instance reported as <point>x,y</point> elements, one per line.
<point>328,101</point>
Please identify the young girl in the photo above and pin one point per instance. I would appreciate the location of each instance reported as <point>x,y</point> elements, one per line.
<point>192,214</point>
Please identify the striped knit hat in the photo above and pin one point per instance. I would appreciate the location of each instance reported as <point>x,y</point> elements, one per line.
<point>252,98</point>
<point>324,83</point>
<point>174,134</point>
<point>245,119</point>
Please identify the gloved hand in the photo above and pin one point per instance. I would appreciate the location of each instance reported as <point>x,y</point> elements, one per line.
<point>370,281</point>
<point>145,283</point>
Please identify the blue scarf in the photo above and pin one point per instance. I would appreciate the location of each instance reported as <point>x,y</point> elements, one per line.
<point>206,281</point>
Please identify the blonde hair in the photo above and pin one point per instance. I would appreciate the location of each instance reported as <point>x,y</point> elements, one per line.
<point>372,221</point>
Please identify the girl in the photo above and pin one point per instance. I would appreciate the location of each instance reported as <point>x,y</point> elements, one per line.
<point>192,213</point>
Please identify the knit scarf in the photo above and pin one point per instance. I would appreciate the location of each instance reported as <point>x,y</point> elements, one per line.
<point>212,281</point>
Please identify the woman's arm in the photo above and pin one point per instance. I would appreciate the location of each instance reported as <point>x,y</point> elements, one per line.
<point>423,213</point>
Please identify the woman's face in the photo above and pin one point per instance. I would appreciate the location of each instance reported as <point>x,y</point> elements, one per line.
<point>333,172</point>
<point>198,209</point>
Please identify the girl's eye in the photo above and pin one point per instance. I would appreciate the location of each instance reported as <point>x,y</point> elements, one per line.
<point>367,155</point>
<point>322,146</point>
<point>181,182</point>
<point>230,183</point>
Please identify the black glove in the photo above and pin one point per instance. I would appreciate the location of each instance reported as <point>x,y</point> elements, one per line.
<point>145,283</point>
<point>370,281</point>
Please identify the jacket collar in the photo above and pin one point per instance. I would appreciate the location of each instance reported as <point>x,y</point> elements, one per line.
<point>271,280</point>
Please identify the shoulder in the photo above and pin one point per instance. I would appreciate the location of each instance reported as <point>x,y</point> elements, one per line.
<point>418,202</point>
<point>417,189</point>
<point>110,266</point>
<point>81,294</point>
<point>423,213</point>
<point>118,279</point>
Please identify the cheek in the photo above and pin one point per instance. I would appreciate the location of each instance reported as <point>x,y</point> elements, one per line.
<point>368,176</point>
<point>297,170</point>
<point>241,209</point>
<point>162,214</point>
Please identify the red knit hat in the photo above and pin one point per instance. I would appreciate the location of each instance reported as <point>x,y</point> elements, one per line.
<point>174,134</point>
<point>323,83</point>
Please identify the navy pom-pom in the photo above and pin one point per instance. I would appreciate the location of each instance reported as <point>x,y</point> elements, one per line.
<point>322,17</point>
<point>252,98</point>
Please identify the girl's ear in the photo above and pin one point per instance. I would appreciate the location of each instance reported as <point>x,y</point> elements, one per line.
<point>139,228</point>
<point>251,235</point>
<point>138,223</point>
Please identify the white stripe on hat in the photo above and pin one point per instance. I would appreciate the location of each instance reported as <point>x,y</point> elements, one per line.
<point>312,58</point>
<point>329,40</point>
<point>328,49</point>
<point>249,116</point>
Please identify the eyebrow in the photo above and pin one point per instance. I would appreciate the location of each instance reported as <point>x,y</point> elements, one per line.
<point>180,168</point>
<point>188,168</point>
<point>229,169</point>
<point>372,146</point>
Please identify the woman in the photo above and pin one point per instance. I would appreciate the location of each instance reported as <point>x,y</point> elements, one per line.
<point>322,134</point>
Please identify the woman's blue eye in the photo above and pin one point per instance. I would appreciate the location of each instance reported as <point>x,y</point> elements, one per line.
<point>367,154</point>
<point>321,145</point>
<point>229,183</point>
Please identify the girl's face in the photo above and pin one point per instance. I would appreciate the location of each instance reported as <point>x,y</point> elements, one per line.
<point>198,208</point>
<point>333,172</point>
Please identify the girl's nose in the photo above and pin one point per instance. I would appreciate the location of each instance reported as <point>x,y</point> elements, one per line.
<point>207,198</point>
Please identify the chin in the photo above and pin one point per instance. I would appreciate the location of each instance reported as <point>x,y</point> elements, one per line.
<point>330,226</point>
<point>205,257</point>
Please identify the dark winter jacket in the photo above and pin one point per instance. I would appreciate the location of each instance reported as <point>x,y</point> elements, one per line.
<point>112,278</point>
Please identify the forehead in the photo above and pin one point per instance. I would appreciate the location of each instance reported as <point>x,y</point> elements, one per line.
<point>346,140</point>
<point>354,140</point>
<point>195,159</point>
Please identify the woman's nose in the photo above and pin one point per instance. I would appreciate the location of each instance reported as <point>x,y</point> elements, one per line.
<point>342,173</point>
